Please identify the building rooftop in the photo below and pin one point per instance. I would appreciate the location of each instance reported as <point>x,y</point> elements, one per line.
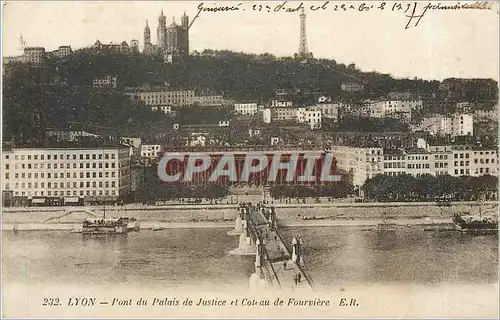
<point>393,151</point>
<point>82,143</point>
<point>416,151</point>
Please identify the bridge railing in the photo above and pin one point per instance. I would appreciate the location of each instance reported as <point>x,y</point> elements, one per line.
<point>308,278</point>
<point>272,268</point>
<point>253,234</point>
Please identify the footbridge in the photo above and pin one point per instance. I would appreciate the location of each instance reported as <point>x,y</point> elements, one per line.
<point>278,266</point>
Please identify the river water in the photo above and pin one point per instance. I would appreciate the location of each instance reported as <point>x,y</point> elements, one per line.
<point>405,273</point>
<point>334,256</point>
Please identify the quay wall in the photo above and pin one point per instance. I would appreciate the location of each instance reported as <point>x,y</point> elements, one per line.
<point>228,212</point>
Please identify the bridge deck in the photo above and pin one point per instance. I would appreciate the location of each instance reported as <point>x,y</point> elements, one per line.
<point>278,266</point>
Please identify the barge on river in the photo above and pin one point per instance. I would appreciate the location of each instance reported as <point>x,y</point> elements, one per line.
<point>121,225</point>
<point>476,224</point>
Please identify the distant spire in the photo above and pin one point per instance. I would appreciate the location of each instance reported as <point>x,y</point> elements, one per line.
<point>147,23</point>
<point>162,12</point>
<point>173,20</point>
<point>185,13</point>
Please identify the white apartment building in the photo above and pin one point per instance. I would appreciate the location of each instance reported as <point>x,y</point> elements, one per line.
<point>248,109</point>
<point>34,54</point>
<point>441,160</point>
<point>418,162</point>
<point>310,116</point>
<point>328,110</point>
<point>351,87</point>
<point>365,163</point>
<point>281,104</point>
<point>160,96</point>
<point>266,115</point>
<point>393,109</point>
<point>462,125</point>
<point>394,162</point>
<point>164,109</point>
<point>461,161</point>
<point>150,151</point>
<point>94,174</point>
<point>281,114</point>
<point>474,162</point>
<point>437,125</point>
<point>209,101</point>
<point>362,163</point>
<point>459,124</point>
<point>105,82</point>
<point>484,162</point>
<point>457,160</point>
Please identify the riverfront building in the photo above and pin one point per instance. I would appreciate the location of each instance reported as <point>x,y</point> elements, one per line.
<point>63,175</point>
<point>366,162</point>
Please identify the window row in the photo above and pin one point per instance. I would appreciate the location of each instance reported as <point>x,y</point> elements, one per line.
<point>61,185</point>
<point>418,166</point>
<point>68,193</point>
<point>461,163</point>
<point>482,161</point>
<point>55,175</point>
<point>87,156</point>
<point>462,171</point>
<point>394,165</point>
<point>94,165</point>
<point>441,165</point>
<point>441,157</point>
<point>418,157</point>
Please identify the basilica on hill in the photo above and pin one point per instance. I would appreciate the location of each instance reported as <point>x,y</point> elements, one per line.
<point>172,41</point>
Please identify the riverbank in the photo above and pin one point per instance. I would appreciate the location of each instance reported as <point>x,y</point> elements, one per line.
<point>442,223</point>
<point>316,214</point>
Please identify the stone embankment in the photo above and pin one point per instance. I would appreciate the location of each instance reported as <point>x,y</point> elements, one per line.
<point>182,215</point>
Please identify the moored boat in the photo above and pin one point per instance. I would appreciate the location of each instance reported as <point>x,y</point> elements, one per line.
<point>105,226</point>
<point>470,223</point>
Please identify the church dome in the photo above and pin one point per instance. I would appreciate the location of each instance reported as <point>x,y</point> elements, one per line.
<point>173,24</point>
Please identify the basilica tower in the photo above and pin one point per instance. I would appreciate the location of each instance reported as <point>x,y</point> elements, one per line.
<point>185,28</point>
<point>161,31</point>
<point>147,40</point>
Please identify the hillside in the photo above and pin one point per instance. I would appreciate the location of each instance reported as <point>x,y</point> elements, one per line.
<point>62,88</point>
<point>241,76</point>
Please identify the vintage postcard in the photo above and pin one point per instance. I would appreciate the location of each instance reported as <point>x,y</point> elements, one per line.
<point>236,159</point>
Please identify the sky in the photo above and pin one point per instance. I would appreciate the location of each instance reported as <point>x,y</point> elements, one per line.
<point>445,44</point>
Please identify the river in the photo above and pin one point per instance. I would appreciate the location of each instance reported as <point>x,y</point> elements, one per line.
<point>335,257</point>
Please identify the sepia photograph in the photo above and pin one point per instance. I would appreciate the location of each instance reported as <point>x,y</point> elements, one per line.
<point>239,159</point>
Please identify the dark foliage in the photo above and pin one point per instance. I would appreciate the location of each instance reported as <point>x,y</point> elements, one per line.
<point>429,188</point>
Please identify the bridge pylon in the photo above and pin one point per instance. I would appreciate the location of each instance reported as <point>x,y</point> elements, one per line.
<point>246,243</point>
<point>240,224</point>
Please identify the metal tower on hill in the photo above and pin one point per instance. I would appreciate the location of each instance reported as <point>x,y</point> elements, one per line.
<point>303,52</point>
